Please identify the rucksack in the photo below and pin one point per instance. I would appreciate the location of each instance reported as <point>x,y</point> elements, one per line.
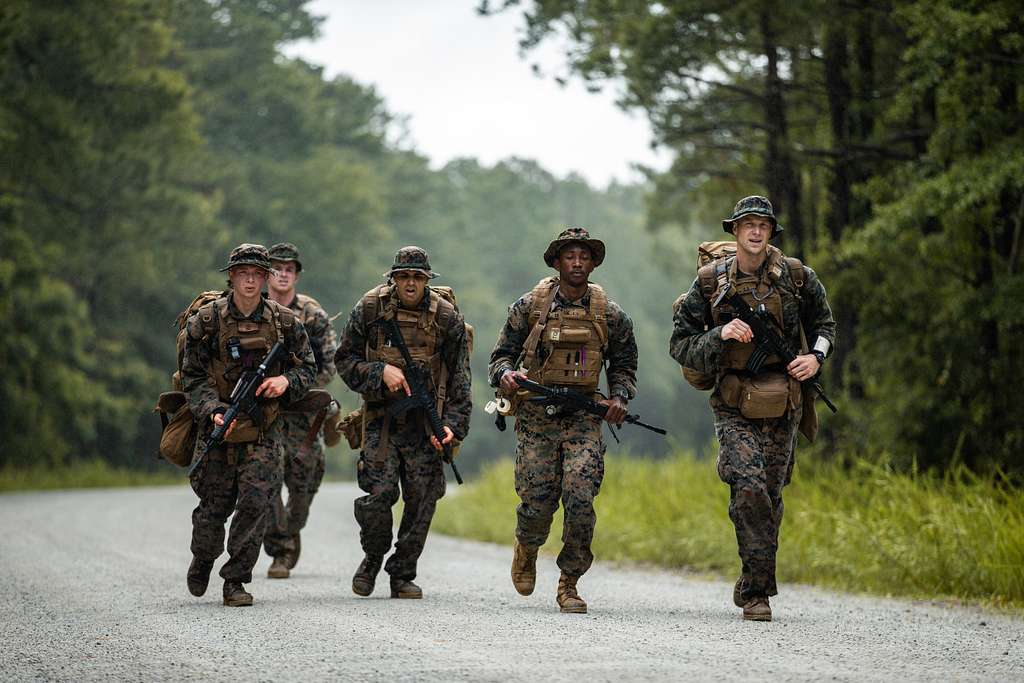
<point>179,431</point>
<point>711,269</point>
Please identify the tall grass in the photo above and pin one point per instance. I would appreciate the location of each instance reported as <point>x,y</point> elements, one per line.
<point>86,474</point>
<point>865,528</point>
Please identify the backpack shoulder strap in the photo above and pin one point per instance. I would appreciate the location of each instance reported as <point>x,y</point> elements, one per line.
<point>542,294</point>
<point>713,275</point>
<point>796,271</point>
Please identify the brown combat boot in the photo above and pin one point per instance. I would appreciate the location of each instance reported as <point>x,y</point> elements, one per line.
<point>279,568</point>
<point>292,558</point>
<point>366,576</point>
<point>235,595</point>
<point>524,568</point>
<point>199,576</point>
<point>568,599</point>
<point>407,590</point>
<point>757,609</point>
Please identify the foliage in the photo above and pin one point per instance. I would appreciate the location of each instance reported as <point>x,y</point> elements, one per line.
<point>867,528</point>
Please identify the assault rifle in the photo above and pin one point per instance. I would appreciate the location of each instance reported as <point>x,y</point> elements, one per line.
<point>767,342</point>
<point>555,397</point>
<point>244,401</point>
<point>418,379</point>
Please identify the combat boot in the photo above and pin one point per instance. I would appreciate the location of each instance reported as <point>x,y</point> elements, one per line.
<point>568,599</point>
<point>524,568</point>
<point>235,595</point>
<point>199,576</point>
<point>757,609</point>
<point>292,558</point>
<point>279,568</point>
<point>366,576</point>
<point>400,588</point>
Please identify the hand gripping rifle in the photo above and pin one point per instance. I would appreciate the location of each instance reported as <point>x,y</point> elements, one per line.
<point>418,379</point>
<point>244,401</point>
<point>767,341</point>
<point>555,397</point>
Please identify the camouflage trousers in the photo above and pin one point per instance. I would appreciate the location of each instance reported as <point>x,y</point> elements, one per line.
<point>303,472</point>
<point>558,458</point>
<point>755,458</point>
<point>240,479</point>
<point>406,463</point>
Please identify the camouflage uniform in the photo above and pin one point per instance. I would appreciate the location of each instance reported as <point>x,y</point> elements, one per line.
<point>562,457</point>
<point>756,456</point>
<point>407,462</point>
<point>238,478</point>
<point>304,462</point>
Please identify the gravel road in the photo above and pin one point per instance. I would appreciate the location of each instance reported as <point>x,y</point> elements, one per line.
<point>94,588</point>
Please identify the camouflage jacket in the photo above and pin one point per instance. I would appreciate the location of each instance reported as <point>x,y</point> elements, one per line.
<point>201,348</point>
<point>322,338</point>
<point>697,343</point>
<point>366,377</point>
<point>621,355</point>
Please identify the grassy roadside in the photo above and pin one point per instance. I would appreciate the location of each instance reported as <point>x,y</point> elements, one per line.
<point>88,474</point>
<point>866,529</point>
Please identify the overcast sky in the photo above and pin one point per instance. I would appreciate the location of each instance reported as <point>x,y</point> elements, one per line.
<point>460,80</point>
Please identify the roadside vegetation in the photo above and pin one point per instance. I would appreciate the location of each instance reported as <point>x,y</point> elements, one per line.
<point>863,527</point>
<point>83,474</point>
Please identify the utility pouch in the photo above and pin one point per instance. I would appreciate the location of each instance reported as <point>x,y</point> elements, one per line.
<point>178,439</point>
<point>352,427</point>
<point>764,396</point>
<point>246,430</point>
<point>332,425</point>
<point>571,335</point>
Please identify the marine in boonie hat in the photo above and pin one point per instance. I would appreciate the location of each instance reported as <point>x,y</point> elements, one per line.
<point>286,251</point>
<point>411,258</point>
<point>570,235</point>
<point>752,205</point>
<point>247,254</point>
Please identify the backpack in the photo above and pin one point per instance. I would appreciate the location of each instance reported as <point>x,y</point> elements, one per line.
<point>448,294</point>
<point>711,272</point>
<point>178,427</point>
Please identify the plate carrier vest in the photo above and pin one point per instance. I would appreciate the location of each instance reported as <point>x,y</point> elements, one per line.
<point>575,339</point>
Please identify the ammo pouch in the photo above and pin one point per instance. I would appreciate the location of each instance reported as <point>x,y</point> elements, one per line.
<point>247,431</point>
<point>178,439</point>
<point>352,427</point>
<point>765,395</point>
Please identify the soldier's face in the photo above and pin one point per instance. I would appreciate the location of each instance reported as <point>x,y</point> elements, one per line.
<point>284,277</point>
<point>410,285</point>
<point>575,263</point>
<point>247,280</point>
<point>752,234</point>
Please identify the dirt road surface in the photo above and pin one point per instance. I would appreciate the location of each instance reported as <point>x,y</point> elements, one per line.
<point>94,588</point>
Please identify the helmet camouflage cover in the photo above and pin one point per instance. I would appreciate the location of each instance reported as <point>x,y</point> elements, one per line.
<point>248,255</point>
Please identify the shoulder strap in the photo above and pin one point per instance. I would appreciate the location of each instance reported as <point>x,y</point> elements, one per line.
<point>599,312</point>
<point>713,275</point>
<point>796,271</point>
<point>543,294</point>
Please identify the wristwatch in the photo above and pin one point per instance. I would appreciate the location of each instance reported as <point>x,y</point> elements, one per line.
<point>820,356</point>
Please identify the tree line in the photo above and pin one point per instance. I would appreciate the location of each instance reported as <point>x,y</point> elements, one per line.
<point>140,140</point>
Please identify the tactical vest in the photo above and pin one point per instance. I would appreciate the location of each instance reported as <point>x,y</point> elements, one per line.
<point>242,344</point>
<point>753,290</point>
<point>422,329</point>
<point>566,347</point>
